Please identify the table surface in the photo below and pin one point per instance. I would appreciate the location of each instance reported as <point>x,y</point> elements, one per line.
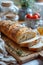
<point>34,62</point>
<point>10,61</point>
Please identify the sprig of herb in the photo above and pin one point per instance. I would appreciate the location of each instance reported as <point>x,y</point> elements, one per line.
<point>26,3</point>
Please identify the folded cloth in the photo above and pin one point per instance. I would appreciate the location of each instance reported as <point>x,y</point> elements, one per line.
<point>5,58</point>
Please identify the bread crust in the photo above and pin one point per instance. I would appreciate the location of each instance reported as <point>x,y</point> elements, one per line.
<point>36,49</point>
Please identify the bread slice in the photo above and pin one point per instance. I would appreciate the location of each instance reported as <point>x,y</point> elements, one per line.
<point>30,42</point>
<point>37,47</point>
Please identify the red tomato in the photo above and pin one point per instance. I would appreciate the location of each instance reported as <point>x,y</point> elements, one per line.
<point>29,16</point>
<point>34,17</point>
<point>37,14</point>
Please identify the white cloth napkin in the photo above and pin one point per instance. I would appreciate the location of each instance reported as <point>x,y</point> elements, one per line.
<point>5,59</point>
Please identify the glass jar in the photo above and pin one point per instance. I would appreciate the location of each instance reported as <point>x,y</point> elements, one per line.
<point>33,23</point>
<point>23,11</point>
<point>40,30</point>
<point>40,27</point>
<point>6,5</point>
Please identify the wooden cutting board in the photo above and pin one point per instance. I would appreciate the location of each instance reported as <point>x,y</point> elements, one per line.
<point>22,55</point>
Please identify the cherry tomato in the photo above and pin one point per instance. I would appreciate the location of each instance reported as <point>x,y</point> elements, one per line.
<point>37,14</point>
<point>34,17</point>
<point>29,16</point>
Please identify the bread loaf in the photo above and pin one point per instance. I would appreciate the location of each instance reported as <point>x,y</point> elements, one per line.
<point>16,31</point>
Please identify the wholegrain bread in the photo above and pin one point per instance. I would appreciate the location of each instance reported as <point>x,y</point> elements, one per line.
<point>16,31</point>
